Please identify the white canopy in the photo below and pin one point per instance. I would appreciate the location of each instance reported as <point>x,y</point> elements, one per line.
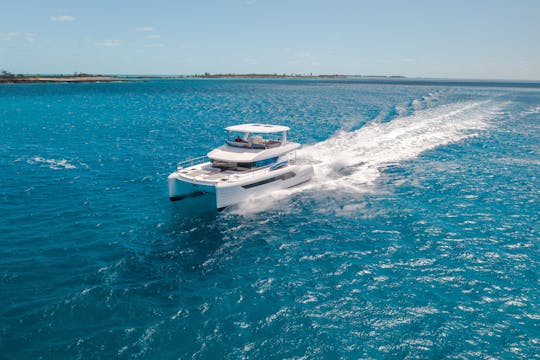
<point>257,128</point>
<point>242,155</point>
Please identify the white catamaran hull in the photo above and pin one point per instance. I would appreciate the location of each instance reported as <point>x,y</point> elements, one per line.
<point>228,193</point>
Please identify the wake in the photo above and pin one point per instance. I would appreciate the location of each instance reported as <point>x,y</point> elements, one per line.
<point>351,162</point>
<point>349,159</point>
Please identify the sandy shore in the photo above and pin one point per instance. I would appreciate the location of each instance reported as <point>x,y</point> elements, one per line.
<point>58,79</point>
<point>111,78</point>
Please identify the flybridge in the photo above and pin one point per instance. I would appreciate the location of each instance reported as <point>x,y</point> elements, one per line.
<point>249,141</point>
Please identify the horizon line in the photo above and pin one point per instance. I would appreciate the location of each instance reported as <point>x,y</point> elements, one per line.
<point>272,75</point>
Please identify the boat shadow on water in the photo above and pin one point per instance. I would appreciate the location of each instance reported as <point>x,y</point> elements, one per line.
<point>193,234</point>
<point>200,205</point>
<point>161,259</point>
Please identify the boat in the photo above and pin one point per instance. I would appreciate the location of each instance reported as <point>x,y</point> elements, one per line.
<point>255,160</point>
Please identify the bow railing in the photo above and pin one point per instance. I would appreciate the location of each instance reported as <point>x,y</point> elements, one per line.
<point>192,161</point>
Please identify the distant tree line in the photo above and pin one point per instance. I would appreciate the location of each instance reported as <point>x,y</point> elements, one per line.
<point>6,75</point>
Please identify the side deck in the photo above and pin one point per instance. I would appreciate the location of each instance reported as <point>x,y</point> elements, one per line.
<point>206,173</point>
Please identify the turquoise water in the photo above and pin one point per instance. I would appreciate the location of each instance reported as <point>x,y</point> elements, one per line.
<point>417,238</point>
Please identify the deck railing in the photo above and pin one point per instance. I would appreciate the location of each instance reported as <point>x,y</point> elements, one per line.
<point>192,161</point>
<point>256,171</point>
<point>264,145</point>
<point>231,177</point>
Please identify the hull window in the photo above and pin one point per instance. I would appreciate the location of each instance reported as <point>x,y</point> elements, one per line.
<point>285,176</point>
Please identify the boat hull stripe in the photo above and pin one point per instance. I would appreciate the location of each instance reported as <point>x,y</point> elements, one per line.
<point>284,176</point>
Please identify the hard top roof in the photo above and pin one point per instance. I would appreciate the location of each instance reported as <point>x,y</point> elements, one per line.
<point>257,128</point>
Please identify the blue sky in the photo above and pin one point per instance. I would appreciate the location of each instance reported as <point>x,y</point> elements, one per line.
<point>450,39</point>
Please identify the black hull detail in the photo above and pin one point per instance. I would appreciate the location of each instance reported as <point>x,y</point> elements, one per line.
<point>284,176</point>
<point>182,197</point>
<point>301,183</point>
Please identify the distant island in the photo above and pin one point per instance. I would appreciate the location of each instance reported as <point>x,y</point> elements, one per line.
<point>7,77</point>
<point>278,76</point>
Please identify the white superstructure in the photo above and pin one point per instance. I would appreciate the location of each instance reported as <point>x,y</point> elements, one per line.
<point>258,160</point>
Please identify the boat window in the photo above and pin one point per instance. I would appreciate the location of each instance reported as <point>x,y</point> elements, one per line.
<point>266,162</point>
<point>259,163</point>
<point>285,176</point>
<point>223,164</point>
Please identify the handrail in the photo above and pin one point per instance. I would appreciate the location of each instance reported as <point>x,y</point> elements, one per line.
<point>192,161</point>
<point>243,175</point>
<point>256,171</point>
<point>247,145</point>
<point>233,177</point>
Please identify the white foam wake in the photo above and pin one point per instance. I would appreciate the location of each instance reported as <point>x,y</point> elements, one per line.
<point>351,162</point>
<point>348,160</point>
<point>54,164</point>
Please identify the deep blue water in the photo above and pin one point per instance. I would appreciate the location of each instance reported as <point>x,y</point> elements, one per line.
<point>417,238</point>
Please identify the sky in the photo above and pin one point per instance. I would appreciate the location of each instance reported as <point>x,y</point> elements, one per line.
<point>468,39</point>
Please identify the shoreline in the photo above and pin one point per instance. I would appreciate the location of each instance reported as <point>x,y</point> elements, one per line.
<point>7,78</point>
<point>86,78</point>
<point>24,79</point>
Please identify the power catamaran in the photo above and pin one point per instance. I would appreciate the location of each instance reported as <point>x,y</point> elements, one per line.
<point>255,159</point>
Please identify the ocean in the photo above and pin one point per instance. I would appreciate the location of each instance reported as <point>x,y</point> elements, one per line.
<point>418,236</point>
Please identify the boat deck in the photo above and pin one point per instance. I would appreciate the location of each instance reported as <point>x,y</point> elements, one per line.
<point>207,173</point>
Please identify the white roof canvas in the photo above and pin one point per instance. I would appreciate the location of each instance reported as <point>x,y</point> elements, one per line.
<point>257,128</point>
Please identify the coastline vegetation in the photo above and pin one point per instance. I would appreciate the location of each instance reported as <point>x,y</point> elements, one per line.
<point>7,77</point>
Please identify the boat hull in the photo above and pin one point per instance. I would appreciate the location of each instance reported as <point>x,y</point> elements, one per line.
<point>180,189</point>
<point>225,194</point>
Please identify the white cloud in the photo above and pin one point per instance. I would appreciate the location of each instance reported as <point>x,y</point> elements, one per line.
<point>154,45</point>
<point>145,28</point>
<point>303,55</point>
<point>30,38</point>
<point>152,36</point>
<point>108,43</point>
<point>62,18</point>
<point>8,36</point>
